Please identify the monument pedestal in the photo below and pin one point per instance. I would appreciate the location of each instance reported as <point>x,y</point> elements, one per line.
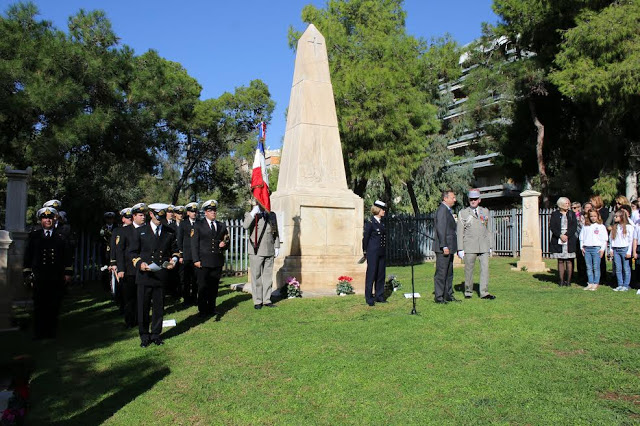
<point>529,260</point>
<point>320,232</point>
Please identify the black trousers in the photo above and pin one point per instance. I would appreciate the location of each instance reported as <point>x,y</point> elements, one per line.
<point>172,283</point>
<point>47,298</point>
<point>118,296</point>
<point>581,266</point>
<point>208,281</point>
<point>443,278</point>
<point>150,297</point>
<point>375,275</point>
<point>603,271</point>
<point>189,282</point>
<point>130,300</point>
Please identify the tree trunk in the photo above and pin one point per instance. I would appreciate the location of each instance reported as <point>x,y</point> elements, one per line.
<point>186,172</point>
<point>412,196</point>
<point>631,182</point>
<point>388,193</point>
<point>360,186</point>
<point>542,169</point>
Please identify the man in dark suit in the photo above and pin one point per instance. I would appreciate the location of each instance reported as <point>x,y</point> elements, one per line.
<point>126,218</point>
<point>47,263</point>
<point>187,275</point>
<point>209,240</point>
<point>125,271</point>
<point>445,245</point>
<point>154,252</point>
<point>105,248</point>
<point>171,217</point>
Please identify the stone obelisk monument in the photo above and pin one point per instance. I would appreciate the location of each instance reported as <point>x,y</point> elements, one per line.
<point>320,219</point>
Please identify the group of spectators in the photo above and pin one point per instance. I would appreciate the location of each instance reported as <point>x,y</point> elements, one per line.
<point>589,233</point>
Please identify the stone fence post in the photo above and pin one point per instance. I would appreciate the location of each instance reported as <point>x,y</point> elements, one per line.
<point>16,217</point>
<point>531,253</point>
<point>5,291</point>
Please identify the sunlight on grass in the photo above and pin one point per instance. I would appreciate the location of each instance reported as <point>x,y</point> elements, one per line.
<point>538,354</point>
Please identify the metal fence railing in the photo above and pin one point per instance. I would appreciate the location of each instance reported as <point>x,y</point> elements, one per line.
<point>414,235</point>
<point>409,238</point>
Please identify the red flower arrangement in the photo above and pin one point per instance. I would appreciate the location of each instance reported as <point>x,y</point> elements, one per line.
<point>344,285</point>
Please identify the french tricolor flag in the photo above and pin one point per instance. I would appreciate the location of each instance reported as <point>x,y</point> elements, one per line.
<point>259,177</point>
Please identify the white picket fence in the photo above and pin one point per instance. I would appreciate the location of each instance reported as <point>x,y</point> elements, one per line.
<point>87,246</point>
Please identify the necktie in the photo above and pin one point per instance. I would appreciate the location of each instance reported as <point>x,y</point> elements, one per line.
<point>213,226</point>
<point>157,231</point>
<point>48,234</point>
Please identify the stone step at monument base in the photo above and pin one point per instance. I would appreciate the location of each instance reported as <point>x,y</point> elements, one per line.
<point>313,271</point>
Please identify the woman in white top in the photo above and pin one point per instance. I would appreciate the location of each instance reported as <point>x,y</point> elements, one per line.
<point>620,244</point>
<point>593,243</point>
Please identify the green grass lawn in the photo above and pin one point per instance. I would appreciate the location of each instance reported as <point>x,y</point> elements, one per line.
<point>538,354</point>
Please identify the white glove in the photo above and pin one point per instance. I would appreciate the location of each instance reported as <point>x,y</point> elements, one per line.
<point>277,252</point>
<point>254,211</point>
<point>490,252</point>
<point>461,254</point>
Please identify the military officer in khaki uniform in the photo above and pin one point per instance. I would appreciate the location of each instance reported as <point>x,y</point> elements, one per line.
<point>264,246</point>
<point>474,241</point>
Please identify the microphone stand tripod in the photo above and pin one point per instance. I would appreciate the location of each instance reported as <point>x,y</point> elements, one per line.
<point>410,259</point>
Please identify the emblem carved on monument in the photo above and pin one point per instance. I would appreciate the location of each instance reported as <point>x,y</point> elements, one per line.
<point>316,43</point>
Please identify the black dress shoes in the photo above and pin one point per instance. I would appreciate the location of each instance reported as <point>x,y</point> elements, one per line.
<point>453,299</point>
<point>489,297</point>
<point>381,301</point>
<point>145,343</point>
<point>441,302</point>
<point>270,305</point>
<point>158,342</point>
<point>467,297</point>
<point>258,306</point>
<point>371,303</point>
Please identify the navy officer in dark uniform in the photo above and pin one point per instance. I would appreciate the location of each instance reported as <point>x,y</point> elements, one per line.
<point>154,252</point>
<point>47,263</point>
<point>209,239</point>
<point>187,273</point>
<point>374,246</point>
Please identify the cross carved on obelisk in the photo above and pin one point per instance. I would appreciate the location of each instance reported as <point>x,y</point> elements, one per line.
<point>315,43</point>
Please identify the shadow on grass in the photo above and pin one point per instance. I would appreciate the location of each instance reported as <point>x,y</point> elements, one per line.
<point>184,326</point>
<point>78,395</point>
<point>231,303</point>
<point>110,405</point>
<point>68,385</point>
<point>195,320</point>
<point>551,277</point>
<point>460,288</point>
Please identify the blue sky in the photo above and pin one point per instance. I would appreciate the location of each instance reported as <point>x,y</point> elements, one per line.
<point>225,44</point>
